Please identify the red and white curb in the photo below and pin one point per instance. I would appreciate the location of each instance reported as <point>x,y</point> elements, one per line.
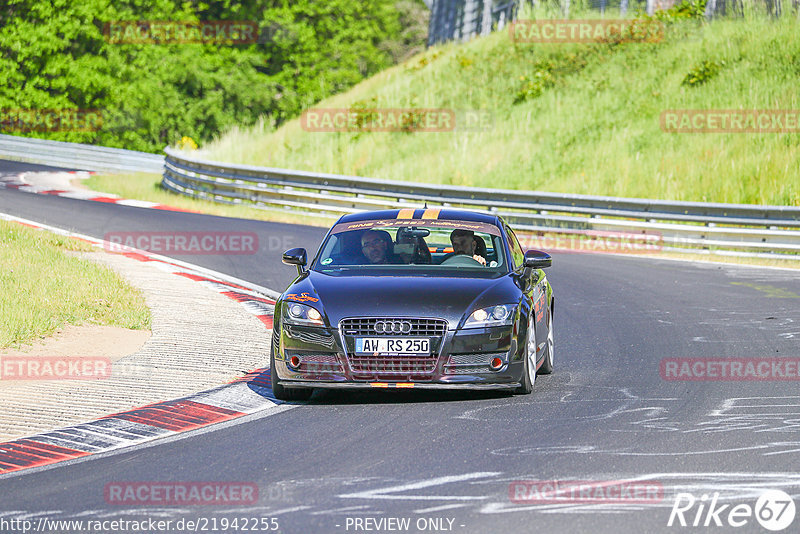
<point>20,185</point>
<point>246,395</point>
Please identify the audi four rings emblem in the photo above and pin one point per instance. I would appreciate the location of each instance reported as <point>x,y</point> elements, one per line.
<point>393,327</point>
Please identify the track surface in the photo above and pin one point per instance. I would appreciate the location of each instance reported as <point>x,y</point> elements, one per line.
<point>605,414</point>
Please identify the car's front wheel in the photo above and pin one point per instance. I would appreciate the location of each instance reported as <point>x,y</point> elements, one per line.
<point>283,393</point>
<point>529,367</point>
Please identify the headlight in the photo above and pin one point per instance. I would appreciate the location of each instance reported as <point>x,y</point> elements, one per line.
<point>301,314</point>
<point>491,316</point>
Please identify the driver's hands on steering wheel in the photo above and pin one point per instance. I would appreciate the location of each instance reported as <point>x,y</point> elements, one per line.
<point>464,259</point>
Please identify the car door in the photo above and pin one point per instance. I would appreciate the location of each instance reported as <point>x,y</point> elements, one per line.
<point>535,291</point>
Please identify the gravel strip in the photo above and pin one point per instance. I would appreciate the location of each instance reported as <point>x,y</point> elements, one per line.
<point>200,339</point>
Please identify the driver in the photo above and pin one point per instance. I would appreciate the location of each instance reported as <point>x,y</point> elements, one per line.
<point>377,246</point>
<point>463,242</point>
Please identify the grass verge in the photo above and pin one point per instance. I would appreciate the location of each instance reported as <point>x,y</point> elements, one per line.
<point>746,261</point>
<point>570,117</point>
<point>45,288</point>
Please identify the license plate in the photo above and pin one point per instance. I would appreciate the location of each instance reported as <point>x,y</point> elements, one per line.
<point>387,346</point>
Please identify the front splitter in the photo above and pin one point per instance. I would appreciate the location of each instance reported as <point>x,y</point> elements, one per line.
<point>394,385</point>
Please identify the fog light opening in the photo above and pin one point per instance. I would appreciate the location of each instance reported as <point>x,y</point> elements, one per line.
<point>496,364</point>
<point>294,362</point>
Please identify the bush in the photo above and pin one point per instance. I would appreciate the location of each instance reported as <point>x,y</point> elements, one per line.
<point>702,73</point>
<point>535,85</point>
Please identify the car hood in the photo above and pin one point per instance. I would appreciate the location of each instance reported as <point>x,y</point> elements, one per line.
<point>403,296</point>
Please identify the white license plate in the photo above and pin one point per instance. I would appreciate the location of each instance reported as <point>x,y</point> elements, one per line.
<point>393,345</point>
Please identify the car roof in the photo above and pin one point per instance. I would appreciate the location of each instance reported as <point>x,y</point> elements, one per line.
<point>422,213</point>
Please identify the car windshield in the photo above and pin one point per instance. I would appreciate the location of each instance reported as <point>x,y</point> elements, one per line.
<point>413,245</point>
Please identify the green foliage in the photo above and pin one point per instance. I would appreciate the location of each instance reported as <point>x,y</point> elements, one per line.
<point>535,85</point>
<point>54,56</point>
<point>684,10</point>
<point>413,17</point>
<point>423,61</point>
<point>365,113</point>
<point>702,73</point>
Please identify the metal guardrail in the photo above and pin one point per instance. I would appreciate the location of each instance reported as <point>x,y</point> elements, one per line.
<point>772,231</point>
<point>77,156</point>
<point>731,229</point>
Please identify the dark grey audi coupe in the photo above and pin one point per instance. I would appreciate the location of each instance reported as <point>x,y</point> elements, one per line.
<point>425,298</point>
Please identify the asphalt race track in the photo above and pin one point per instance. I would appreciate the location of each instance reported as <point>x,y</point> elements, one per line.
<point>445,461</point>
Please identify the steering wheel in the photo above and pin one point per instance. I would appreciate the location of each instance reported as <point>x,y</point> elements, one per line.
<point>461,259</point>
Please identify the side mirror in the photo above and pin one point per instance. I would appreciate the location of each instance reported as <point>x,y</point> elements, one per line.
<point>296,256</point>
<point>536,259</point>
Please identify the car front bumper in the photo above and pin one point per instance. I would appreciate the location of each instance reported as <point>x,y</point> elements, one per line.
<point>461,361</point>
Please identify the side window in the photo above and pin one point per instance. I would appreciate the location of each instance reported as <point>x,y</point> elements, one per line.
<point>516,248</point>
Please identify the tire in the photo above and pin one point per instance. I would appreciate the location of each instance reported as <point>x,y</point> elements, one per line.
<point>280,392</point>
<point>529,367</point>
<point>547,365</point>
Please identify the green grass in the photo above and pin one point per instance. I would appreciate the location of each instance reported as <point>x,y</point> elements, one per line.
<point>145,186</point>
<point>44,288</point>
<point>587,120</point>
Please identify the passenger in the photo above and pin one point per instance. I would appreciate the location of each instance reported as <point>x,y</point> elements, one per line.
<point>463,242</point>
<point>378,247</point>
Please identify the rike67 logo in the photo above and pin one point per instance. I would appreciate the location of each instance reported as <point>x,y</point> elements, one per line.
<point>774,510</point>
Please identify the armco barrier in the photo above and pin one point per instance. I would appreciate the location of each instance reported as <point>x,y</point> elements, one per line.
<point>728,229</point>
<point>77,156</point>
<point>739,229</point>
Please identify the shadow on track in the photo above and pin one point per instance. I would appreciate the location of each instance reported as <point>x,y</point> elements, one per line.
<point>259,382</point>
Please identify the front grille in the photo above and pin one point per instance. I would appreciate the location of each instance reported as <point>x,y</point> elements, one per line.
<point>393,366</point>
<point>319,358</point>
<point>468,364</point>
<point>467,370</point>
<point>317,362</point>
<point>365,326</point>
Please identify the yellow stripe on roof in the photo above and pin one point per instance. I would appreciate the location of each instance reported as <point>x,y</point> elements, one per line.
<point>432,213</point>
<point>405,214</point>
